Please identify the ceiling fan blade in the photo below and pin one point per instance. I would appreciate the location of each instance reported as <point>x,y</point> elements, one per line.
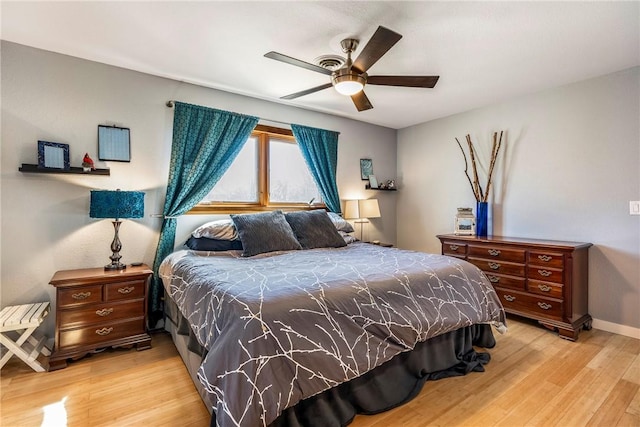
<point>381,41</point>
<point>298,63</point>
<point>307,92</point>
<point>407,81</point>
<point>361,101</point>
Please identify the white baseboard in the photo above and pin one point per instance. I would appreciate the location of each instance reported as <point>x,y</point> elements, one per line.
<point>625,330</point>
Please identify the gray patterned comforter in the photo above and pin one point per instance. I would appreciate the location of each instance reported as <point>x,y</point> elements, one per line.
<point>285,326</point>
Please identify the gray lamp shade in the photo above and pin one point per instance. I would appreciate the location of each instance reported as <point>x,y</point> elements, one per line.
<point>116,204</point>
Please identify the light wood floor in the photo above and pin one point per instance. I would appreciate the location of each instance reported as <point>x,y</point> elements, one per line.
<point>533,379</point>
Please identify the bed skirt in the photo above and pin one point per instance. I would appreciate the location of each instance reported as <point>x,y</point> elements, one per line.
<point>389,385</point>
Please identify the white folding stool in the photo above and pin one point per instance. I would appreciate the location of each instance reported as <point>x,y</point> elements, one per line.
<point>22,321</point>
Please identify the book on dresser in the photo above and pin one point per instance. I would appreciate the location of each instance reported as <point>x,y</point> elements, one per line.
<point>98,308</point>
<point>545,280</point>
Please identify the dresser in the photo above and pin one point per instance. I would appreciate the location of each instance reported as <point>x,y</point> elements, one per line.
<point>96,308</point>
<point>544,280</point>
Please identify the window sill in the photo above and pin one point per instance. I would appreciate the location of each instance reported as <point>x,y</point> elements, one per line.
<point>236,209</point>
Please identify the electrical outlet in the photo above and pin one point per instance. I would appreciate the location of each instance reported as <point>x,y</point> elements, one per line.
<point>634,207</point>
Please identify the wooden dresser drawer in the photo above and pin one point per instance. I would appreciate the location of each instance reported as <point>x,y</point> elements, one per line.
<point>535,272</point>
<point>501,267</point>
<point>497,253</point>
<point>527,303</point>
<point>78,296</point>
<point>454,248</point>
<point>103,332</point>
<point>547,259</point>
<point>100,313</point>
<point>506,281</point>
<point>548,289</point>
<point>124,290</point>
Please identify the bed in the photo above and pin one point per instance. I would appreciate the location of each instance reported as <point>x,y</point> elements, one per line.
<point>313,335</point>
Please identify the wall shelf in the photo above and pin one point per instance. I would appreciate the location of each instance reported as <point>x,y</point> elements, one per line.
<point>367,187</point>
<point>73,170</point>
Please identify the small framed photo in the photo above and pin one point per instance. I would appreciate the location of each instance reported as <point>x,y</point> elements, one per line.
<point>373,182</point>
<point>366,169</point>
<point>53,155</point>
<point>114,143</point>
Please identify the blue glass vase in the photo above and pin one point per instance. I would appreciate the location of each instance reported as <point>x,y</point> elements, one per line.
<point>482,209</point>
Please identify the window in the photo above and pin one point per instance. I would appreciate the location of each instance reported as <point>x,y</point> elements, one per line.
<point>269,173</point>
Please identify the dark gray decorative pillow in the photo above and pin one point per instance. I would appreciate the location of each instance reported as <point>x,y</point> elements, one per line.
<point>314,229</point>
<point>264,232</point>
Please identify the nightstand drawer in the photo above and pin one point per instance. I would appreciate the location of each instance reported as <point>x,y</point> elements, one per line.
<point>78,296</point>
<point>501,267</point>
<point>101,313</point>
<point>92,335</point>
<point>497,253</point>
<point>125,290</point>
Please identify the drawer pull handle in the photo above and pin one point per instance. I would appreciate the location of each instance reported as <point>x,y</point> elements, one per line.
<point>509,298</point>
<point>493,279</point>
<point>81,295</point>
<point>493,252</point>
<point>494,265</point>
<point>544,288</point>
<point>104,331</point>
<point>545,258</point>
<point>126,290</point>
<point>454,247</point>
<point>544,305</point>
<point>544,273</point>
<point>104,312</point>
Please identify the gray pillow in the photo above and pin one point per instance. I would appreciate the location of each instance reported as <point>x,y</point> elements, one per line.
<point>264,232</point>
<point>314,229</point>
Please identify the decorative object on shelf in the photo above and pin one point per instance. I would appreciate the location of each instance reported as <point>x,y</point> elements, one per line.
<point>361,210</point>
<point>366,169</point>
<point>481,195</point>
<point>87,163</point>
<point>53,155</point>
<point>116,204</point>
<point>114,143</point>
<point>373,182</point>
<point>465,222</point>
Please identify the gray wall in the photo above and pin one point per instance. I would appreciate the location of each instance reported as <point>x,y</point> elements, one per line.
<point>570,166</point>
<point>45,224</point>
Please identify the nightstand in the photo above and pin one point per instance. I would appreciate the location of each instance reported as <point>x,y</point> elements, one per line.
<point>97,308</point>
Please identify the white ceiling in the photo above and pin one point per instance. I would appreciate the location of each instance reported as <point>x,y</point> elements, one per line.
<point>484,52</point>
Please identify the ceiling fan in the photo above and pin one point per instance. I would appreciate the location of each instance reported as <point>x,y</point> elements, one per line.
<point>351,78</point>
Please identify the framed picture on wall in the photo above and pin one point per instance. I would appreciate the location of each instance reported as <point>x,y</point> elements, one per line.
<point>114,143</point>
<point>53,155</point>
<point>366,169</point>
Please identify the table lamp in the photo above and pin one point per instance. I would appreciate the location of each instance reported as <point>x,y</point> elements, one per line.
<point>116,204</point>
<point>361,210</point>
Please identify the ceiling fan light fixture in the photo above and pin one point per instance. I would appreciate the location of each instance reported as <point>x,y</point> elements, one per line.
<point>348,83</point>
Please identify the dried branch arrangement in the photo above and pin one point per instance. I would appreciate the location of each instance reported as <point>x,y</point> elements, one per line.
<point>480,194</point>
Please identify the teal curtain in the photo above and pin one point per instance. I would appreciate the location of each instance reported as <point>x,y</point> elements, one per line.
<point>320,151</point>
<point>205,143</point>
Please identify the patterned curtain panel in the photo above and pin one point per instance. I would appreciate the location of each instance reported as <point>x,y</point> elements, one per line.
<point>205,143</point>
<point>320,151</point>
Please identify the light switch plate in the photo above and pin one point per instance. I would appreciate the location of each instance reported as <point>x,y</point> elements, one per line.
<point>634,207</point>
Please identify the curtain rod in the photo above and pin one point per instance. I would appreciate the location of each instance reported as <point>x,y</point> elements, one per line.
<point>170,104</point>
